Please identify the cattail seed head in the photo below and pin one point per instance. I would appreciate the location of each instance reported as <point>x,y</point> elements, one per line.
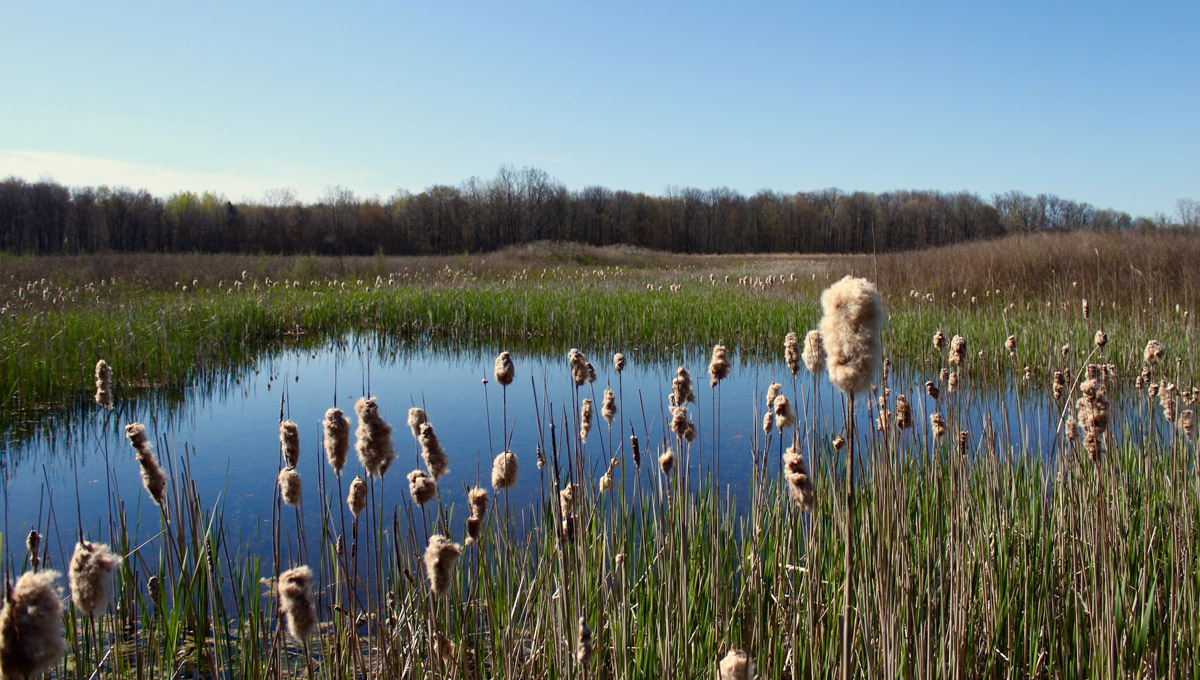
<point>1187,422</point>
<point>937,425</point>
<point>579,366</point>
<point>440,556</point>
<point>681,387</point>
<point>791,352</point>
<point>785,417</point>
<point>850,328</point>
<point>719,367</point>
<point>636,450</point>
<point>606,482</point>
<point>374,445</point>
<point>422,487</point>
<point>289,442</point>
<point>31,626</point>
<point>337,439</point>
<point>585,420</point>
<point>356,500</point>
<point>33,541</point>
<point>958,350</point>
<point>772,392</point>
<point>1101,339</point>
<point>583,651</point>
<point>1011,345</point>
<point>904,418</point>
<point>932,390</point>
<point>800,485</point>
<point>619,362</point>
<point>296,602</point>
<point>153,477</point>
<point>768,422</point>
<point>1153,353</point>
<point>735,666</point>
<point>289,486</point>
<point>104,384</point>
<point>416,418</point>
<point>567,498</point>
<point>504,470</point>
<point>608,410</point>
<point>952,384</point>
<point>432,452</point>
<point>939,341</point>
<point>504,369</point>
<point>1059,384</point>
<point>1087,310</point>
<point>666,462</point>
<point>964,443</point>
<point>839,443</point>
<point>814,352</point>
<point>89,576</point>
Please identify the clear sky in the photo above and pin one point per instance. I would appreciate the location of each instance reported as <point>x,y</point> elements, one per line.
<point>1093,101</point>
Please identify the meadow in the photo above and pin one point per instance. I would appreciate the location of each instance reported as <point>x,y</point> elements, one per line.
<point>942,551</point>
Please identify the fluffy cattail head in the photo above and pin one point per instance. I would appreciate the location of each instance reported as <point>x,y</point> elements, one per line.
<point>958,350</point>
<point>681,387</point>
<point>619,362</point>
<point>32,542</point>
<point>904,418</point>
<point>505,371</point>
<point>374,445</point>
<point>785,417</point>
<point>800,485</point>
<point>477,501</point>
<point>1101,339</point>
<point>421,487</point>
<point>1059,384</point>
<point>356,500</point>
<point>791,352</point>
<point>666,462</point>
<point>567,498</point>
<point>104,384</point>
<point>290,488</point>
<point>814,352</point>
<point>89,576</point>
<point>337,438</point>
<point>952,383</point>
<point>289,443</point>
<point>31,627</point>
<point>296,602</point>
<point>1187,422</point>
<point>939,341</point>
<point>431,450</point>
<point>735,666</point>
<point>153,477</point>
<point>440,556</point>
<point>768,422</point>
<point>416,418</point>
<point>719,367</point>
<point>1011,345</point>
<point>937,425</point>
<point>504,470</point>
<point>579,366</point>
<point>1153,353</point>
<point>585,419</point>
<point>850,329</point>
<point>772,392</point>
<point>583,651</point>
<point>932,390</point>
<point>608,410</point>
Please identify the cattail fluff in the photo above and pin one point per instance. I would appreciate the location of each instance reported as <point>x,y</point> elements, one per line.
<point>31,626</point>
<point>964,443</point>
<point>1011,345</point>
<point>440,556</point>
<point>1153,353</point>
<point>579,366</point>
<point>608,409</point>
<point>505,371</point>
<point>416,418</point>
<point>422,487</point>
<point>952,383</point>
<point>356,500</point>
<point>772,392</point>
<point>800,485</point>
<point>718,368</point>
<point>1087,311</point>
<point>932,390</point>
<point>785,417</point>
<point>1059,384</point>
<point>937,425</point>
<point>583,652</point>
<point>1101,339</point>
<point>153,477</point>
<point>337,439</point>
<point>1092,411</point>
<point>666,462</point>
<point>431,450</point>
<point>477,500</point>
<point>374,445</point>
<point>504,470</point>
<point>681,388</point>
<point>104,384</point>
<point>814,352</point>
<point>958,350</point>
<point>850,328</point>
<point>619,362</point>
<point>289,486</point>
<point>791,352</point>
<point>585,420</point>
<point>289,441</point>
<point>89,576</point>
<point>567,498</point>
<point>1187,422</point>
<point>768,422</point>
<point>296,602</point>
<point>904,419</point>
<point>944,375</point>
<point>735,666</point>
<point>32,542</point>
<point>591,372</point>
<point>939,341</point>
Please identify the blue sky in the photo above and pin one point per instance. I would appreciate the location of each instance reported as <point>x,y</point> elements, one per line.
<point>1096,102</point>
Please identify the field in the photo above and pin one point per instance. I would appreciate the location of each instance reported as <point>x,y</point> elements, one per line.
<point>946,556</point>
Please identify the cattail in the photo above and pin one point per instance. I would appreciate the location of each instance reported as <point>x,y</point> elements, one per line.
<point>964,443</point>
<point>567,498</point>
<point>591,372</point>
<point>939,341</point>
<point>850,329</point>
<point>785,417</point>
<point>583,652</point>
<point>289,486</point>
<point>679,420</point>
<point>431,450</point>
<point>1011,345</point>
<point>1101,339</point>
<point>153,477</point>
<point>958,350</point>
<point>637,451</point>
<point>735,666</point>
<point>719,367</point>
<point>89,576</point>
<point>1153,353</point>
<point>337,439</point>
<point>937,425</point>
<point>681,387</point>
<point>814,352</point>
<point>839,443</point>
<point>579,366</point>
<point>1087,312</point>
<point>772,392</point>
<point>1028,375</point>
<point>1187,422</point>
<point>289,440</point>
<point>505,371</point>
<point>932,390</point>
<point>666,462</point>
<point>1092,411</point>
<point>357,498</point>
<point>585,420</point>
<point>1060,384</point>
<point>32,542</point>
<point>608,409</point>
<point>416,418</point>
<point>296,602</point>
<point>31,626</point>
<point>944,375</point>
<point>607,482</point>
<point>444,648</point>
<point>1066,349</point>
<point>791,352</point>
<point>952,384</point>
<point>422,487</point>
<point>800,485</point>
<point>374,445</point>
<point>477,500</point>
<point>904,418</point>
<point>768,422</point>
<point>619,362</point>
<point>104,384</point>
<point>504,470</point>
<point>440,556</point>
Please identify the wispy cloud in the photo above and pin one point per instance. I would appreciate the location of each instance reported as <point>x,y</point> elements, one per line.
<point>75,170</point>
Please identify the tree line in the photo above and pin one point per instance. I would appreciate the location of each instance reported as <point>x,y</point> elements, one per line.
<point>519,206</point>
